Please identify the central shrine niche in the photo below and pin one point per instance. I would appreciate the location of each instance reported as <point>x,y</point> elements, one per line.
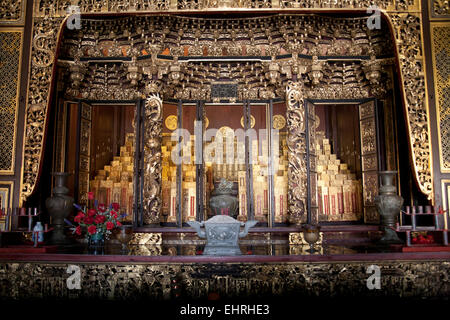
<point>264,67</point>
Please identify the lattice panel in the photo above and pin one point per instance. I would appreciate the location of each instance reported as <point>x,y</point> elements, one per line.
<point>441,67</point>
<point>10,44</point>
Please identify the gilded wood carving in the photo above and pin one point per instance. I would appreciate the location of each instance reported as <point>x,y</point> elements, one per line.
<point>152,159</point>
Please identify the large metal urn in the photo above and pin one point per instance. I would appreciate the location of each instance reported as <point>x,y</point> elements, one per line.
<point>59,206</point>
<point>224,199</point>
<point>388,204</point>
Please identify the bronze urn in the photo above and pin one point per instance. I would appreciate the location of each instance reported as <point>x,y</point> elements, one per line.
<point>388,204</point>
<point>224,199</point>
<point>59,206</point>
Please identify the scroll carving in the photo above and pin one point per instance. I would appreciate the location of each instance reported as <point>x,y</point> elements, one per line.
<point>43,53</point>
<point>152,159</point>
<point>409,44</point>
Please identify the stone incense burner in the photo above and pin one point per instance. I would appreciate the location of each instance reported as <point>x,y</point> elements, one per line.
<point>222,234</point>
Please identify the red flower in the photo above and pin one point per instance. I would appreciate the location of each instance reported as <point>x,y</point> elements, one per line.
<point>92,229</point>
<point>88,220</point>
<point>118,223</point>
<point>92,212</point>
<point>99,219</point>
<point>102,207</point>
<point>79,217</point>
<point>113,214</point>
<point>78,230</point>
<point>109,225</point>
<point>116,206</point>
<point>90,196</point>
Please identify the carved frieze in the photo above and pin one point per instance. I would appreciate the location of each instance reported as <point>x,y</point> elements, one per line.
<point>166,281</point>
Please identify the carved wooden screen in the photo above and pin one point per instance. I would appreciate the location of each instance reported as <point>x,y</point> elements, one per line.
<point>369,159</point>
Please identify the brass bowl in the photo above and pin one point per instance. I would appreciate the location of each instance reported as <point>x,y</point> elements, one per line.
<point>124,234</point>
<point>311,233</point>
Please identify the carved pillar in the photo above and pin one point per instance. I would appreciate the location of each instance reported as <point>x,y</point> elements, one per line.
<point>152,129</point>
<point>297,175</point>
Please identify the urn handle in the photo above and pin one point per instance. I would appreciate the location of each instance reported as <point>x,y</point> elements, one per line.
<point>197,226</point>
<point>247,226</point>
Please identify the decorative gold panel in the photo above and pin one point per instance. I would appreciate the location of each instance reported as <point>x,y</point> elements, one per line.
<point>440,34</point>
<point>10,67</point>
<point>439,9</point>
<point>12,12</point>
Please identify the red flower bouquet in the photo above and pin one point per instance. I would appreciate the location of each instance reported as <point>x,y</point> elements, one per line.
<point>100,220</point>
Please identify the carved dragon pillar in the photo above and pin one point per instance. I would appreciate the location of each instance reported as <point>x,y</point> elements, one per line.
<point>152,159</point>
<point>297,175</point>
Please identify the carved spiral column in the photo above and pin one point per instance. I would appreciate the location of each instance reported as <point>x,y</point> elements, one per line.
<point>297,175</point>
<point>151,201</point>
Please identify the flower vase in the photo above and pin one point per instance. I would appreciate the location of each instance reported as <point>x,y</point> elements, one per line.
<point>388,204</point>
<point>96,243</point>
